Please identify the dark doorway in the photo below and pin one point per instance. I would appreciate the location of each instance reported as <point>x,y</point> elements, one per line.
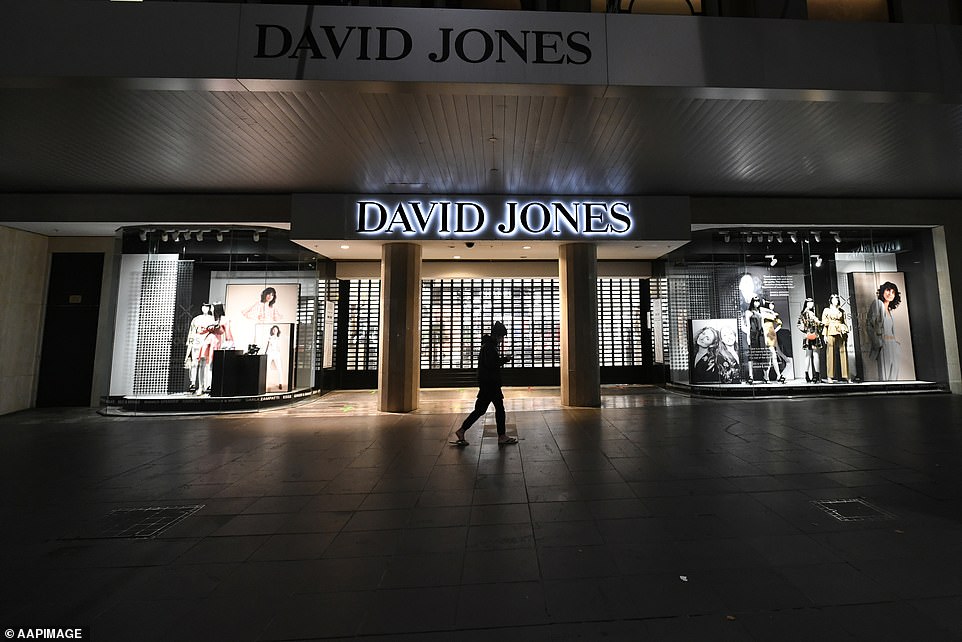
<point>70,329</point>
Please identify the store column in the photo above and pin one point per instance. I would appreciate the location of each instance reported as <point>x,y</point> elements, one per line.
<point>580,373</point>
<point>399,355</point>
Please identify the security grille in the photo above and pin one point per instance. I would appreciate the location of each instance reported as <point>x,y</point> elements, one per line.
<point>621,322</point>
<point>364,318</point>
<point>456,312</point>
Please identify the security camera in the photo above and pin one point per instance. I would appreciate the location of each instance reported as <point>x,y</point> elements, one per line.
<point>469,244</point>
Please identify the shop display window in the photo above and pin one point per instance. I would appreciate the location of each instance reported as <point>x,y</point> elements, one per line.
<point>213,313</point>
<point>802,307</point>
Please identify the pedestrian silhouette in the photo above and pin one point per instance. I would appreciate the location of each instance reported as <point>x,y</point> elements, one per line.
<point>489,386</point>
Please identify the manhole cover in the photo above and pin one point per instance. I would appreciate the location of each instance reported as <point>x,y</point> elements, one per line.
<point>852,510</point>
<point>144,522</point>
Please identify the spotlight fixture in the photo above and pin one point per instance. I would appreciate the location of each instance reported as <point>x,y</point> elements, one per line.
<point>817,236</point>
<point>770,238</point>
<point>838,239</point>
<point>749,237</point>
<point>793,236</point>
<point>759,237</point>
<point>219,236</point>
<point>143,235</point>
<point>176,237</point>
<point>772,257</point>
<point>726,236</point>
<point>200,236</point>
<point>257,237</point>
<point>164,237</point>
<point>818,260</point>
<point>778,237</point>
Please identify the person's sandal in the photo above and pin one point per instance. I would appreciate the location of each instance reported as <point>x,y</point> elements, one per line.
<point>507,441</point>
<point>459,434</point>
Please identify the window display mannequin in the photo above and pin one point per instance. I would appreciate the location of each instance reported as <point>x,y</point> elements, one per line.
<point>217,336</point>
<point>264,310</point>
<point>772,323</point>
<point>273,352</point>
<point>835,331</point>
<point>752,326</point>
<point>705,363</point>
<point>195,340</point>
<point>880,327</point>
<point>811,326</point>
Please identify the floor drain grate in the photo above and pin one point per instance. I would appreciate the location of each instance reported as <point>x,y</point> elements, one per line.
<point>852,510</point>
<point>145,522</point>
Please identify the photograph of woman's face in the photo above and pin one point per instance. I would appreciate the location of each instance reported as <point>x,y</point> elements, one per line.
<point>706,338</point>
<point>729,336</point>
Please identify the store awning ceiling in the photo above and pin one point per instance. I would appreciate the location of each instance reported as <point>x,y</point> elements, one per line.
<point>441,140</point>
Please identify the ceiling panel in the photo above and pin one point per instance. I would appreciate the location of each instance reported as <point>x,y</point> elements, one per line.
<point>435,139</point>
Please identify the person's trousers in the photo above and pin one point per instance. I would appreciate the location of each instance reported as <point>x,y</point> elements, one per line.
<point>842,354</point>
<point>480,407</point>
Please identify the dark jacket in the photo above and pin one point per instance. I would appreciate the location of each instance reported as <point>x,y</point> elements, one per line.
<point>489,363</point>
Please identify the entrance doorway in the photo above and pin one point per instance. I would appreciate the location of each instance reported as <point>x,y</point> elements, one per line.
<point>70,329</point>
<point>455,312</point>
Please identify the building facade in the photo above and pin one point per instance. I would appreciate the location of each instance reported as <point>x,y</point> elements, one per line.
<point>611,182</point>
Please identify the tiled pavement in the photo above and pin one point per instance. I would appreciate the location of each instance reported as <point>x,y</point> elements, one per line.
<point>656,517</point>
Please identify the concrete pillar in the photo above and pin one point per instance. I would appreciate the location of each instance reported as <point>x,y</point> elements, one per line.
<point>399,355</point>
<point>580,374</point>
<point>948,263</point>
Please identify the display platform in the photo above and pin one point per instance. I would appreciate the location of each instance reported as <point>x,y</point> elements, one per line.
<point>188,403</point>
<point>801,388</point>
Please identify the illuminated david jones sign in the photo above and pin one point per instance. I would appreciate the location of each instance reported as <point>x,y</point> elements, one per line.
<point>464,218</point>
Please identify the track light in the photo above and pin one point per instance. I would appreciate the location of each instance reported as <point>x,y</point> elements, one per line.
<point>726,236</point>
<point>838,239</point>
<point>749,238</point>
<point>818,260</point>
<point>165,237</point>
<point>176,237</point>
<point>219,236</point>
<point>200,235</point>
<point>793,236</point>
<point>257,237</point>
<point>778,237</point>
<point>759,237</point>
<point>143,235</point>
<point>772,257</point>
<point>817,236</point>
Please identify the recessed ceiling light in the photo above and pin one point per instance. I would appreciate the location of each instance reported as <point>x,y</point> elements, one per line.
<point>525,247</point>
<point>457,256</point>
<point>345,247</point>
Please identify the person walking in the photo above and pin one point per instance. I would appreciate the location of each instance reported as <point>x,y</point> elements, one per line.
<point>489,384</point>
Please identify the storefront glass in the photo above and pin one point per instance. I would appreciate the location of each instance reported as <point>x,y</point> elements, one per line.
<point>214,313</point>
<point>803,307</point>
